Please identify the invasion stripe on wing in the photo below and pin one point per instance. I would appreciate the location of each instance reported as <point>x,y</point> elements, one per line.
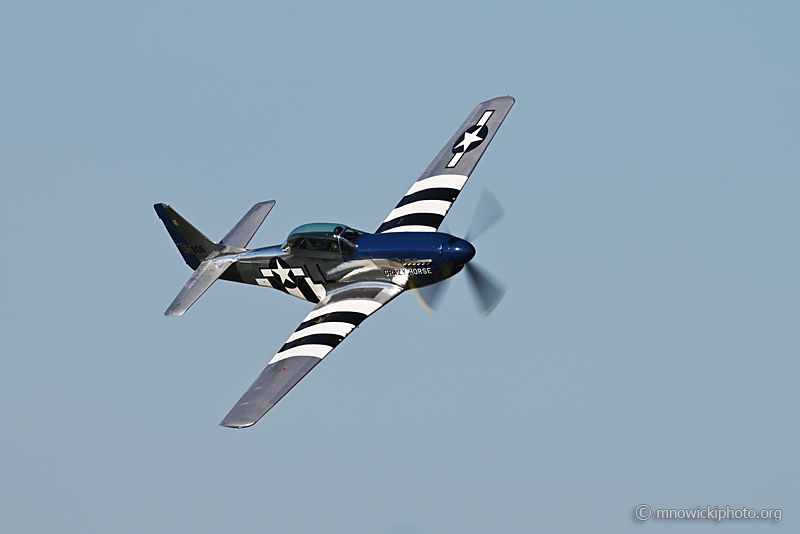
<point>423,208</point>
<point>432,220</point>
<point>324,328</point>
<point>328,327</point>
<point>451,181</point>
<point>353,318</point>
<point>317,339</point>
<point>364,306</point>
<point>438,207</point>
<point>436,193</point>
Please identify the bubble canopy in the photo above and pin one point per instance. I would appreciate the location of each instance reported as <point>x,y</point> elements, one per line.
<point>321,237</point>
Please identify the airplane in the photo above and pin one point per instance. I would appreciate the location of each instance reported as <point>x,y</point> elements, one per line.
<point>347,273</point>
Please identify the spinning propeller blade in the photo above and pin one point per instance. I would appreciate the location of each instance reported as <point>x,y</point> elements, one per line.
<point>488,293</point>
<point>430,296</point>
<point>487,213</point>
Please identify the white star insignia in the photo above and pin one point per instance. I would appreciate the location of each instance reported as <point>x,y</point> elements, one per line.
<point>469,138</point>
<point>282,272</point>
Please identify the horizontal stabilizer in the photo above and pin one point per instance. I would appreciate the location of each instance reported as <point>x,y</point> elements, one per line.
<point>241,234</point>
<point>202,278</point>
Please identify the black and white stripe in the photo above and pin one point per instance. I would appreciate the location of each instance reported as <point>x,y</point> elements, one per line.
<point>331,321</point>
<point>339,313</point>
<point>423,208</point>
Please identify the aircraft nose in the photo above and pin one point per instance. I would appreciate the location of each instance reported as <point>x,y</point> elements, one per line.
<point>457,251</point>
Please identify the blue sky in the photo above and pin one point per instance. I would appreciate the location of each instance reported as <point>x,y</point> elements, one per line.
<point>646,351</point>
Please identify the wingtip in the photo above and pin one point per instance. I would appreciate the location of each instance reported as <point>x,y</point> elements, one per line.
<point>236,425</point>
<point>175,310</point>
<point>500,98</point>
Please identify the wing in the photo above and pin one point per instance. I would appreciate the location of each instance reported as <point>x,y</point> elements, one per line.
<point>423,208</point>
<point>321,331</point>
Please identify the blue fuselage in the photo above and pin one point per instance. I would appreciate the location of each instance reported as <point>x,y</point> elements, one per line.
<point>429,257</point>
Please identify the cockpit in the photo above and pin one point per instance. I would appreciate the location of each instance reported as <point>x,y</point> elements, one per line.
<point>323,239</point>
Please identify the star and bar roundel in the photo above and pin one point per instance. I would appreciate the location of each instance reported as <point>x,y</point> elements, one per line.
<point>292,280</point>
<point>470,139</point>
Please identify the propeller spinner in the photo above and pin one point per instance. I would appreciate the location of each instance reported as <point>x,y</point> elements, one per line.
<point>488,292</point>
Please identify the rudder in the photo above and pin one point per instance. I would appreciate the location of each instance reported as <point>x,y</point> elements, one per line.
<point>193,245</point>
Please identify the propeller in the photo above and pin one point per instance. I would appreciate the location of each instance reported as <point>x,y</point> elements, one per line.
<point>488,292</point>
<point>487,213</point>
<point>429,296</point>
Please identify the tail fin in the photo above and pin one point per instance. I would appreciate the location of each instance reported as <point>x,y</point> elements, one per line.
<point>192,244</point>
<point>208,259</point>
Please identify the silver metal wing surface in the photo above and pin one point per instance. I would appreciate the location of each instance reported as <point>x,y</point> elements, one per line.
<point>423,208</point>
<point>332,320</point>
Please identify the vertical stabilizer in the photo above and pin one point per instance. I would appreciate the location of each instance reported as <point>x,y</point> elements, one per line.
<point>192,244</point>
